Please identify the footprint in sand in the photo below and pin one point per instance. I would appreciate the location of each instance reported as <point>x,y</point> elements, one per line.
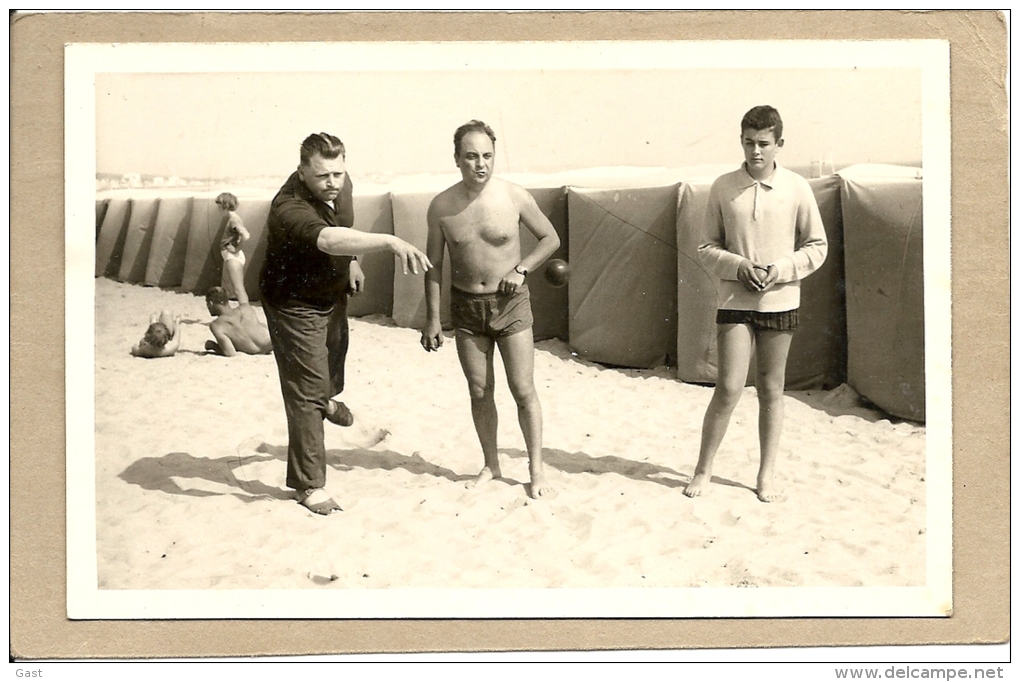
<point>790,579</point>
<point>850,547</point>
<point>249,446</point>
<point>729,518</point>
<point>358,437</point>
<point>578,524</point>
<point>513,506</point>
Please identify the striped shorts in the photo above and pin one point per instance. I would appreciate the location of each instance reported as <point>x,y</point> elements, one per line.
<point>786,321</point>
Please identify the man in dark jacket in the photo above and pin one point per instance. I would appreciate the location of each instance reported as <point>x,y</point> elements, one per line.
<point>309,270</point>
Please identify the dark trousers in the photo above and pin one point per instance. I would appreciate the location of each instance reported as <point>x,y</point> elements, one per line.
<point>310,347</point>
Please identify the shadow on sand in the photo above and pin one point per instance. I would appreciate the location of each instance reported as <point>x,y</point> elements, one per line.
<point>844,401</point>
<point>158,473</point>
<point>582,463</point>
<point>382,460</point>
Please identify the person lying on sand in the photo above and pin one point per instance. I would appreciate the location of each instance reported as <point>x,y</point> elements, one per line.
<point>161,339</point>
<point>237,330</point>
<point>478,220</point>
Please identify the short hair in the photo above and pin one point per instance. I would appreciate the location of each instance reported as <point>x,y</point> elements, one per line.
<point>157,335</point>
<point>321,144</point>
<point>763,117</point>
<point>217,295</point>
<point>228,201</point>
<point>473,126</point>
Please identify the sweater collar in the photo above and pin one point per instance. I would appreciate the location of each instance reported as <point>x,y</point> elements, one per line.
<point>748,181</point>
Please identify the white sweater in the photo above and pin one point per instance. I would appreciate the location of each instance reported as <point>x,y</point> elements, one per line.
<point>772,221</point>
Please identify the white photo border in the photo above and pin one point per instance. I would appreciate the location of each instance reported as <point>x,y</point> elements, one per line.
<point>85,601</point>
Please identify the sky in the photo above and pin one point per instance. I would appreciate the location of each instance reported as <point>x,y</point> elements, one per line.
<point>235,124</point>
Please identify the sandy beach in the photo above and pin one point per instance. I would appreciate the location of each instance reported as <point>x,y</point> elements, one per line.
<point>190,458</point>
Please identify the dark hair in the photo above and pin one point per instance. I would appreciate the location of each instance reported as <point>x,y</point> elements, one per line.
<point>217,295</point>
<point>473,126</point>
<point>227,201</point>
<point>157,335</point>
<point>321,144</point>
<point>762,118</point>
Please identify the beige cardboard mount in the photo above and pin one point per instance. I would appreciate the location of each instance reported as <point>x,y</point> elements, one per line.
<point>980,275</point>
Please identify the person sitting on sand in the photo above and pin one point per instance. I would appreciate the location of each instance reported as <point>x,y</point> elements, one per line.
<point>237,330</point>
<point>234,234</point>
<point>161,339</point>
<point>478,220</point>
<point>764,235</point>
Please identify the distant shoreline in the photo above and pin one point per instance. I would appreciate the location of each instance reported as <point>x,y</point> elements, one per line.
<point>121,181</point>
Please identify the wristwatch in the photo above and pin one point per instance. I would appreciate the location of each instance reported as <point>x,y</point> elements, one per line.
<point>520,271</point>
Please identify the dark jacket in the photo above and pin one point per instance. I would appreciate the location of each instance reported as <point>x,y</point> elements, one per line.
<point>295,269</point>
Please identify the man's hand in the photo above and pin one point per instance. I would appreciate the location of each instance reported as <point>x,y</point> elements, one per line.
<point>408,257</point>
<point>432,336</point>
<point>357,278</point>
<point>510,283</point>
<point>749,275</point>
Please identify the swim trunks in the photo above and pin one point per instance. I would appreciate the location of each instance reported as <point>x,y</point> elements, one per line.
<point>495,315</point>
<point>786,321</point>
<point>229,255</point>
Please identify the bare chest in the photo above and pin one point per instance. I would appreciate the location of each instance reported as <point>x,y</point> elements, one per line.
<point>494,222</point>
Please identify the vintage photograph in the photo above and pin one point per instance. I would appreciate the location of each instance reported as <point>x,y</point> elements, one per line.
<point>505,330</point>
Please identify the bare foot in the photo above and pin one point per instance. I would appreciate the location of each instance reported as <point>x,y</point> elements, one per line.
<point>540,487</point>
<point>699,483</point>
<point>484,476</point>
<point>767,491</point>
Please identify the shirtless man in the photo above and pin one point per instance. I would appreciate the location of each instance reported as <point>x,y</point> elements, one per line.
<point>236,329</point>
<point>478,220</point>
